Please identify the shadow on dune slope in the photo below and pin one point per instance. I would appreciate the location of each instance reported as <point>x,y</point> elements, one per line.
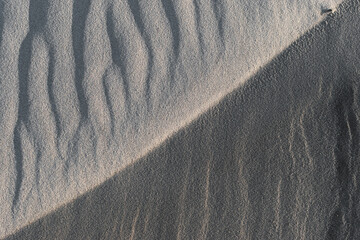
<point>276,159</point>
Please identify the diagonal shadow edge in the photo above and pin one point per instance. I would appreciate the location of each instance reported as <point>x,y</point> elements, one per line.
<point>293,51</point>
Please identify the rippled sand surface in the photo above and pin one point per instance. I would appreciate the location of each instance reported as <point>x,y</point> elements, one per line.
<point>179,119</point>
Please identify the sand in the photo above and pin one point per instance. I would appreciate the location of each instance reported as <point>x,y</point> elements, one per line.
<point>89,88</point>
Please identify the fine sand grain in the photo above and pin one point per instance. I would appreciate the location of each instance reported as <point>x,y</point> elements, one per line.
<point>278,158</point>
<point>89,87</point>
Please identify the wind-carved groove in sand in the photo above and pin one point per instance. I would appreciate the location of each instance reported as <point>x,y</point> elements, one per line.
<point>37,172</point>
<point>219,14</point>
<point>18,167</point>
<point>37,20</point>
<point>135,10</point>
<point>342,221</point>
<point>354,151</point>
<point>205,222</point>
<point>133,226</point>
<point>81,10</point>
<point>118,55</point>
<point>50,90</point>
<point>303,136</point>
<point>108,103</point>
<point>182,201</point>
<point>198,27</point>
<point>291,142</point>
<point>173,21</point>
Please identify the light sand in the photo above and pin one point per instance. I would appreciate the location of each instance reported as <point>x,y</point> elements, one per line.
<point>276,159</point>
<point>87,87</point>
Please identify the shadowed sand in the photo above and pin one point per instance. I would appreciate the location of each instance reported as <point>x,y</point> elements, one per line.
<point>277,159</point>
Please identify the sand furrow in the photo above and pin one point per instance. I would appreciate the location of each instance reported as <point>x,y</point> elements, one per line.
<point>89,87</point>
<point>80,13</point>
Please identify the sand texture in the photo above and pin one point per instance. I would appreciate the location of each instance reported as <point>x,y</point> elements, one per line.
<point>179,119</point>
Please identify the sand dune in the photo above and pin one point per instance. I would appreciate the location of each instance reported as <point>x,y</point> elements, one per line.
<point>88,87</point>
<point>276,159</point>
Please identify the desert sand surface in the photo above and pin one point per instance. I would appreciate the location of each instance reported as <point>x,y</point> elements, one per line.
<point>220,120</point>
